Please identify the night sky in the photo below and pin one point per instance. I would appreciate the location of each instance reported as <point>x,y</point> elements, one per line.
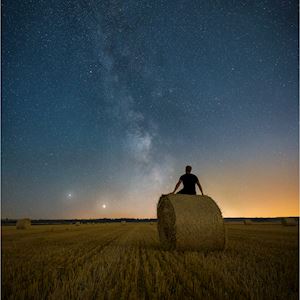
<point>104,103</point>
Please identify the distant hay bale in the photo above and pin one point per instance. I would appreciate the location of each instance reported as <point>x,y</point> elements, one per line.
<point>151,223</point>
<point>190,222</point>
<point>289,222</point>
<point>77,224</point>
<point>23,224</point>
<point>248,222</point>
<point>123,222</point>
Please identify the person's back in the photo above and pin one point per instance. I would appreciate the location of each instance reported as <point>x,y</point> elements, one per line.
<point>189,181</point>
<point>189,184</point>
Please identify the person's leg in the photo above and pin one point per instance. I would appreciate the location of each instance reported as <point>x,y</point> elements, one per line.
<point>181,192</point>
<point>189,193</point>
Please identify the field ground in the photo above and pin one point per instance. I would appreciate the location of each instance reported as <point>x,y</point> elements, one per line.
<point>125,261</point>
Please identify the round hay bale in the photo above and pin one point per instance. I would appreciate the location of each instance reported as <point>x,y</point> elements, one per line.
<point>77,224</point>
<point>123,222</point>
<point>190,222</point>
<point>248,222</point>
<point>23,224</point>
<point>289,222</point>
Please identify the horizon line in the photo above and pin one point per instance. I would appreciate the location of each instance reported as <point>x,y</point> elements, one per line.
<point>136,218</point>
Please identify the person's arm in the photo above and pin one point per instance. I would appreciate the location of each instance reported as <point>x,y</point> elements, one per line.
<point>200,187</point>
<point>177,186</point>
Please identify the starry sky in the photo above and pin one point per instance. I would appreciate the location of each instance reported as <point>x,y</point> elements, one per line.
<point>104,103</point>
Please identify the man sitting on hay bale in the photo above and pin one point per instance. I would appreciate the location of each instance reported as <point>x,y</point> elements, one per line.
<point>189,181</point>
<point>188,221</point>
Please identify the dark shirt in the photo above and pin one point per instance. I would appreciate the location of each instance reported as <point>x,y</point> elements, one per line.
<point>189,181</point>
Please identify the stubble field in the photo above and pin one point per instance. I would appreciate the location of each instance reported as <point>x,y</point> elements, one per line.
<point>125,261</point>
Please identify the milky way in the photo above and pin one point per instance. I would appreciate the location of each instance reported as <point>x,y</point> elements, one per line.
<point>105,102</point>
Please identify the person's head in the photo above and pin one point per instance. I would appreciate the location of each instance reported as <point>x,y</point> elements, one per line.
<point>188,169</point>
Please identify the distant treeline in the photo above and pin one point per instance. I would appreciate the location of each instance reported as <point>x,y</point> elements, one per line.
<point>260,220</point>
<point>130,220</point>
<point>74,221</point>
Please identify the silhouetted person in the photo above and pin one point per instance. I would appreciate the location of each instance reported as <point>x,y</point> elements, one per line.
<point>189,181</point>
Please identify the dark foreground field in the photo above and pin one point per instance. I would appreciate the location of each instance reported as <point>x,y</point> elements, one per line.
<point>124,261</point>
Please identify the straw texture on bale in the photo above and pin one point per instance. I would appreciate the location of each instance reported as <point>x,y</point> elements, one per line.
<point>77,223</point>
<point>23,224</point>
<point>190,222</point>
<point>248,222</point>
<point>289,222</point>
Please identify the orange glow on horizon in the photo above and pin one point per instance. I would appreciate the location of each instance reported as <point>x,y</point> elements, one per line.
<point>246,189</point>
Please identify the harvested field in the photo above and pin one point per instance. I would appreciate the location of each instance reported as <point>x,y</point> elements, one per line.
<point>113,261</point>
